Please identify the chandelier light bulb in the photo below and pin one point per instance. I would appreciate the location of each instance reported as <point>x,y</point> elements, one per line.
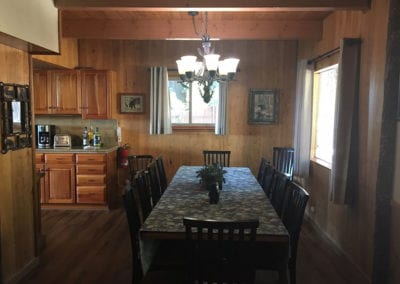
<point>212,61</point>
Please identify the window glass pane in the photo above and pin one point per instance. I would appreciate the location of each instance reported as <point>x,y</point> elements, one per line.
<point>201,112</point>
<point>188,107</point>
<point>179,99</point>
<point>325,113</point>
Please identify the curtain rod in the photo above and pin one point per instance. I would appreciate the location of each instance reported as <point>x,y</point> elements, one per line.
<point>323,56</point>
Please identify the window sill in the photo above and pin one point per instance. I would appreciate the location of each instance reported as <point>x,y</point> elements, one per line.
<point>193,128</point>
<point>322,163</point>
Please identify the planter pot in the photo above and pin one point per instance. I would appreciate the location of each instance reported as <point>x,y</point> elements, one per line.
<point>213,194</point>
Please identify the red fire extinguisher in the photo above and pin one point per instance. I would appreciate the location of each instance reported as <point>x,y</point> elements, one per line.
<point>123,154</point>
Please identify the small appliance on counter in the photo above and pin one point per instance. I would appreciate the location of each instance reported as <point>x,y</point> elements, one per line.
<point>62,141</point>
<point>45,135</point>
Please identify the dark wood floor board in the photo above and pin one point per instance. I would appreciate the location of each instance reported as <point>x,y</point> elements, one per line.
<point>93,246</point>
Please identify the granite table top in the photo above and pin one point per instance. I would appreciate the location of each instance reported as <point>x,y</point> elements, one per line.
<point>241,197</point>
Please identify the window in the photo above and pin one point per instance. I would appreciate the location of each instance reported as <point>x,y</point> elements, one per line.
<point>188,107</point>
<point>324,97</point>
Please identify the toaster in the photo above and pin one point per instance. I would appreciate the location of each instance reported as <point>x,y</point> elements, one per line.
<point>62,141</point>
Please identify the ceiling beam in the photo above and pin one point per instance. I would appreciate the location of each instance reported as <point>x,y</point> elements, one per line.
<point>216,5</point>
<point>183,29</point>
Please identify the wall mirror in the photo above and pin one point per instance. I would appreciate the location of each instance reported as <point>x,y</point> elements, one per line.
<point>16,128</point>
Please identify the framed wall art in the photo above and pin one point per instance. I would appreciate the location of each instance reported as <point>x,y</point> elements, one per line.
<point>131,103</point>
<point>263,106</point>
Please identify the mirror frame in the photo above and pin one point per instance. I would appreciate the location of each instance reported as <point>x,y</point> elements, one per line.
<point>10,139</point>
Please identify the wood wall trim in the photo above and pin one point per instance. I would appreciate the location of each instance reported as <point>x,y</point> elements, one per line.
<point>155,29</point>
<point>216,5</point>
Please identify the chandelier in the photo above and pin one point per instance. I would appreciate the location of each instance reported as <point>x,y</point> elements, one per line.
<point>209,69</point>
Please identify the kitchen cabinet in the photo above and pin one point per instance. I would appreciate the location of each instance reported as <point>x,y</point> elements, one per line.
<point>91,181</point>
<point>97,89</point>
<point>78,179</point>
<point>57,92</point>
<point>60,179</point>
<point>40,168</point>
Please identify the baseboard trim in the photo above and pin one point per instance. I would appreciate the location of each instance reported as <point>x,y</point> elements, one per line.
<point>335,246</point>
<point>28,268</point>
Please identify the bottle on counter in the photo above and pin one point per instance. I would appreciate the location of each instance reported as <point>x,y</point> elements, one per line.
<point>97,138</point>
<point>85,137</point>
<point>90,135</point>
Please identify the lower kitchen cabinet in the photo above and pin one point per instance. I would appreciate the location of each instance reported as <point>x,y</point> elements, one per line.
<point>77,178</point>
<point>91,178</point>
<point>60,178</point>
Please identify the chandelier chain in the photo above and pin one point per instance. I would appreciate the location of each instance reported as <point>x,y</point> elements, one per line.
<point>204,29</point>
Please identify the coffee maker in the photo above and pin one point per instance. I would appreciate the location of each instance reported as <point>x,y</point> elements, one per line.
<point>45,136</point>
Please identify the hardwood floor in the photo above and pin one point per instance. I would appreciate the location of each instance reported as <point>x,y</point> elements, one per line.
<point>93,246</point>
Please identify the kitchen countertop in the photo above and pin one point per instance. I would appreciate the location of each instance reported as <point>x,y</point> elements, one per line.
<point>79,149</point>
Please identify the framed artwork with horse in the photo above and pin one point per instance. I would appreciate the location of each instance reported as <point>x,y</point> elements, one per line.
<point>131,103</point>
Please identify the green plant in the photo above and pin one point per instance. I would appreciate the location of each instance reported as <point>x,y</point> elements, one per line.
<point>211,173</point>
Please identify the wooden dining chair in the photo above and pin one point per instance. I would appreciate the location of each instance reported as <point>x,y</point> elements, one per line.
<point>154,182</point>
<point>138,163</point>
<point>261,170</point>
<point>292,218</point>
<point>278,192</point>
<point>221,157</point>
<point>158,275</point>
<point>267,179</point>
<point>142,185</point>
<point>161,173</point>
<point>220,251</point>
<point>283,160</point>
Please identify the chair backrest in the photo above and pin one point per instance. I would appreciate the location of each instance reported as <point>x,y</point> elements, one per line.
<point>154,182</point>
<point>140,182</point>
<point>138,163</point>
<point>278,192</point>
<point>283,160</point>
<point>261,170</point>
<point>161,173</point>
<point>217,156</point>
<point>268,178</point>
<point>132,214</point>
<point>295,206</point>
<point>220,251</point>
<point>292,218</point>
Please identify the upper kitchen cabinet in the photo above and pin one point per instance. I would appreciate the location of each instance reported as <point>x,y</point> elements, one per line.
<point>97,88</point>
<point>57,92</point>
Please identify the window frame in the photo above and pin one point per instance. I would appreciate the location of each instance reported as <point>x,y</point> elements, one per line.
<point>190,127</point>
<point>316,97</point>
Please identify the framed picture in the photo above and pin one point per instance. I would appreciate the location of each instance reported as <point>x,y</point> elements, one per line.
<point>263,106</point>
<point>131,103</point>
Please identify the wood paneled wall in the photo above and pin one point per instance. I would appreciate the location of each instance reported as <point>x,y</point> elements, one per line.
<point>352,227</point>
<point>68,57</point>
<point>263,64</point>
<point>16,184</point>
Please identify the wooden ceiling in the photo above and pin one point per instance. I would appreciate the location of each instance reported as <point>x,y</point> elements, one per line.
<point>227,19</point>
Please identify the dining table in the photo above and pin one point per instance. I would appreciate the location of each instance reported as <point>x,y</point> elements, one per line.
<point>241,197</point>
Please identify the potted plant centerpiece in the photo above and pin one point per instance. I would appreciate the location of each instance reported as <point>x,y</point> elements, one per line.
<point>212,177</point>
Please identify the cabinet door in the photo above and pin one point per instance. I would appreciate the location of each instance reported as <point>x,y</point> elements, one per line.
<point>43,189</point>
<point>42,92</point>
<point>61,183</point>
<point>66,91</point>
<point>96,94</point>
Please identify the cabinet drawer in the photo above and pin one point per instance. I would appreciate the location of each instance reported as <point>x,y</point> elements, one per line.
<point>91,179</point>
<point>90,169</point>
<point>91,194</point>
<point>39,158</point>
<point>60,158</point>
<point>90,158</point>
